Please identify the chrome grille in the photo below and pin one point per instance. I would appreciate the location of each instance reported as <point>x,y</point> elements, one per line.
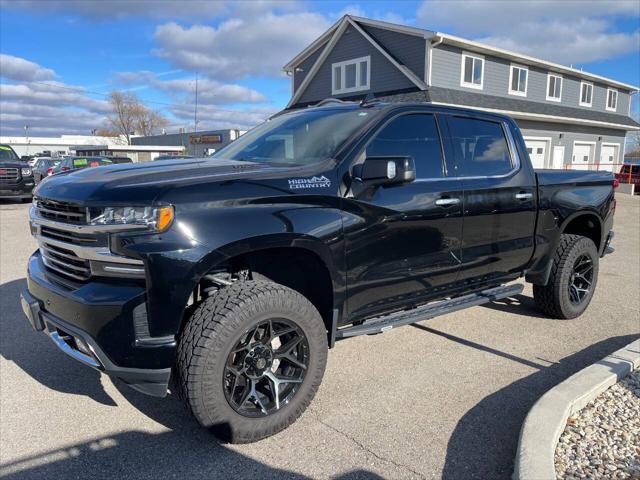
<point>61,211</point>
<point>65,262</point>
<point>69,237</point>
<point>9,174</point>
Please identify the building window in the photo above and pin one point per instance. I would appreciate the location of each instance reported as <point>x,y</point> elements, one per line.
<point>554,87</point>
<point>518,80</point>
<point>586,94</point>
<point>351,75</point>
<point>472,73</point>
<point>612,99</point>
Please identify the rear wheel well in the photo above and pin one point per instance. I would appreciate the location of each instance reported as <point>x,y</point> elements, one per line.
<point>296,268</point>
<point>586,225</point>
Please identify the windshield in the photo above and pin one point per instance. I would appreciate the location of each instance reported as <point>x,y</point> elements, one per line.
<point>297,138</point>
<point>6,153</point>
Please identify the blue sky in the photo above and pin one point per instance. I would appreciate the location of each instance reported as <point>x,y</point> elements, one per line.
<point>61,58</point>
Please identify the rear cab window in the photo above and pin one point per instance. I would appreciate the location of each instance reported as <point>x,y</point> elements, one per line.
<point>480,147</point>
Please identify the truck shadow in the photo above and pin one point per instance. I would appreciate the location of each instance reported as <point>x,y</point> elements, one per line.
<point>517,305</point>
<point>37,356</point>
<point>484,441</point>
<point>136,454</point>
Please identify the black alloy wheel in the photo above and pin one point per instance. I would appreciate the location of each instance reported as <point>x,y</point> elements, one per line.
<point>572,279</point>
<point>250,359</point>
<point>266,367</point>
<point>581,279</point>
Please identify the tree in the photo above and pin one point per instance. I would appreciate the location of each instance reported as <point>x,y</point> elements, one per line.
<point>131,116</point>
<point>150,121</point>
<point>105,132</point>
<point>125,107</point>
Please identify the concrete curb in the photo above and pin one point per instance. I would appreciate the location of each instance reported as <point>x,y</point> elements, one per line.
<point>547,418</point>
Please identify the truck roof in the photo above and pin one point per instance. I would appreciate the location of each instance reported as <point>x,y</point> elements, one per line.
<point>336,104</point>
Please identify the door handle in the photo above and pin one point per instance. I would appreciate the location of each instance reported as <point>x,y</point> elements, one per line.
<point>524,196</point>
<point>445,202</point>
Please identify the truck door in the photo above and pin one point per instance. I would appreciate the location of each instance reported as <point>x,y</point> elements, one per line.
<point>499,199</point>
<point>403,242</point>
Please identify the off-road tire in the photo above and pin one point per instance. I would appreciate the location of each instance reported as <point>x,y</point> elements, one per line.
<point>553,298</point>
<point>207,339</point>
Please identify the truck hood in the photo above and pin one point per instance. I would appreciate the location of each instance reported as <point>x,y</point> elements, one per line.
<point>142,183</point>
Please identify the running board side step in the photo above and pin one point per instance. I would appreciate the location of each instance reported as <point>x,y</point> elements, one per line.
<point>425,312</point>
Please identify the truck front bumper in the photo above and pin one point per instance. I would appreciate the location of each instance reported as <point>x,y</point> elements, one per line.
<point>94,324</point>
<point>23,188</point>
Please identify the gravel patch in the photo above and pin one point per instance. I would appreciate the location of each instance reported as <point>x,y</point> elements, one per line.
<point>603,439</point>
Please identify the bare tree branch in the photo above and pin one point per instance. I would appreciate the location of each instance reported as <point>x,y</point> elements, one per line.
<point>130,116</point>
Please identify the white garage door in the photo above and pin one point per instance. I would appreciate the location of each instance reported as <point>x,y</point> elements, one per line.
<point>582,156</point>
<point>608,156</point>
<point>537,152</point>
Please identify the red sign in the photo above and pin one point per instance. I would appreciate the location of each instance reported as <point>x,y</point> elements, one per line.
<point>3,171</point>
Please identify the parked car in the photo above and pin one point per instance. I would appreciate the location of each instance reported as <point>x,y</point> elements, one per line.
<point>172,157</point>
<point>78,163</point>
<point>44,167</point>
<point>16,176</point>
<point>629,174</point>
<point>234,275</point>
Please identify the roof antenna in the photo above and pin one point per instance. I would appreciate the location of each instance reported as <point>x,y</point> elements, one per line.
<point>370,99</point>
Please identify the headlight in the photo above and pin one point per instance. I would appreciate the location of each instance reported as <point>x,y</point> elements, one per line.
<point>155,218</point>
<point>26,172</point>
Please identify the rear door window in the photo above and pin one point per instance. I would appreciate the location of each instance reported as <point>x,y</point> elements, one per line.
<point>414,135</point>
<point>479,146</point>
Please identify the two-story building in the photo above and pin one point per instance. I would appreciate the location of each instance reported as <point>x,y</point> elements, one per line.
<point>569,118</point>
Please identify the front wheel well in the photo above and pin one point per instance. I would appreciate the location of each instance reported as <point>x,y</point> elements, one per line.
<point>296,268</point>
<point>586,225</point>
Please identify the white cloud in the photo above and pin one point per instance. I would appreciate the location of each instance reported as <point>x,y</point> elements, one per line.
<point>22,70</point>
<point>358,11</point>
<point>104,10</point>
<point>209,91</point>
<point>241,46</point>
<point>52,94</point>
<point>569,32</point>
<point>49,108</point>
<point>108,10</point>
<point>213,116</point>
<point>46,120</point>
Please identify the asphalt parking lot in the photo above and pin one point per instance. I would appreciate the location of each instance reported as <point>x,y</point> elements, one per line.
<point>443,398</point>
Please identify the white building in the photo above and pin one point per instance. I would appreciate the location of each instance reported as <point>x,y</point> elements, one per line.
<point>62,145</point>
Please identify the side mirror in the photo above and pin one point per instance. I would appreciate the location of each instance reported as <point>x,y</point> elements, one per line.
<point>386,170</point>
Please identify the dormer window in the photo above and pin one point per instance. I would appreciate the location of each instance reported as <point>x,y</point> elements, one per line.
<point>351,75</point>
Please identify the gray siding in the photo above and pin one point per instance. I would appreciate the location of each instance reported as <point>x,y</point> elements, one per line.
<point>446,68</point>
<point>305,66</point>
<point>572,133</point>
<point>384,75</point>
<point>408,50</point>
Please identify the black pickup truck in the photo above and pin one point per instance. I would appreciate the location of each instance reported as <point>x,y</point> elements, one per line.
<point>232,276</point>
<point>16,176</point>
